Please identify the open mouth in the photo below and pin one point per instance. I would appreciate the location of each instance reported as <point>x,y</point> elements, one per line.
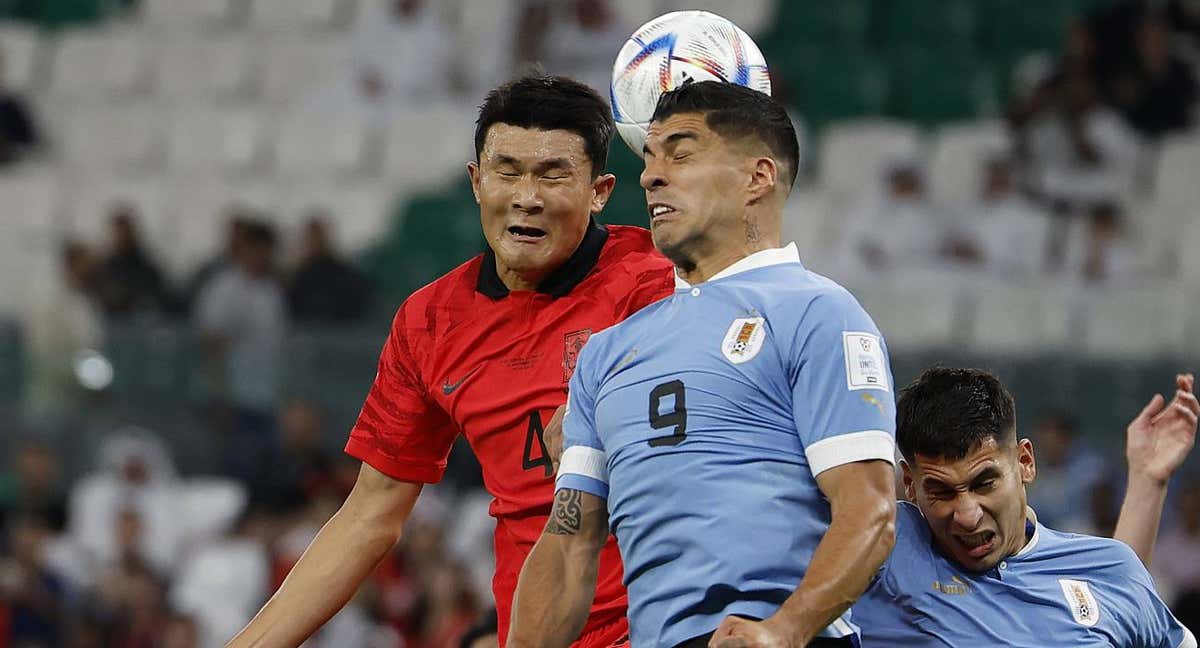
<point>979,544</point>
<point>526,234</point>
<point>659,211</point>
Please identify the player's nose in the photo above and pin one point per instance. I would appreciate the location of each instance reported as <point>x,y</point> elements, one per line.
<point>652,176</point>
<point>526,197</point>
<point>967,514</point>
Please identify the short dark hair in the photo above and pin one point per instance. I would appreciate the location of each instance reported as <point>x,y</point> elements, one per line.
<point>948,412</point>
<point>550,103</point>
<point>735,111</point>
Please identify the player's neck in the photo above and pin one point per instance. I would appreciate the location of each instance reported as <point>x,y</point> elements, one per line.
<point>707,266</point>
<point>518,281</point>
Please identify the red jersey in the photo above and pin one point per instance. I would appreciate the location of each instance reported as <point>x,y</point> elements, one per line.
<point>466,356</point>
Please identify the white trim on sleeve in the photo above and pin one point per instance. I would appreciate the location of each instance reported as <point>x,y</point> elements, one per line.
<point>848,448</point>
<point>1189,640</point>
<point>585,461</point>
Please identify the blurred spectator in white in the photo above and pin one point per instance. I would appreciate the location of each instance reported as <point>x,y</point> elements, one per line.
<point>1011,231</point>
<point>1156,90</point>
<point>1177,555</point>
<point>576,38</point>
<point>1099,249</point>
<point>236,219</point>
<point>1076,150</point>
<point>129,280</point>
<point>325,289</point>
<point>1069,469</point>
<point>33,486</point>
<point>223,584</point>
<point>400,55</point>
<point>32,597</point>
<point>65,323</point>
<point>18,131</point>
<point>901,228</point>
<point>242,316</point>
<point>130,505</point>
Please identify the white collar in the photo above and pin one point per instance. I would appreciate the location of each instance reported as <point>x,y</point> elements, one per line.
<point>1033,540</point>
<point>760,259</point>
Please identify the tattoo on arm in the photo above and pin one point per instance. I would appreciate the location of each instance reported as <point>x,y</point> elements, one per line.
<point>566,518</point>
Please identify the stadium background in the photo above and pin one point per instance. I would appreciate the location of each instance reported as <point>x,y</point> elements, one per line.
<point>128,517</point>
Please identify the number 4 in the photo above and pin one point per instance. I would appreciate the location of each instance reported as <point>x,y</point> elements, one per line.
<point>676,418</point>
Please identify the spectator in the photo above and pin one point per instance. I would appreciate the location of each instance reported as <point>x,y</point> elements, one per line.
<point>32,593</point>
<point>130,281</point>
<point>65,324</point>
<point>324,288</point>
<point>1069,469</point>
<point>577,38</point>
<point>1011,231</point>
<point>242,316</point>
<point>237,218</point>
<point>1099,249</point>
<point>400,55</point>
<point>1156,91</point>
<point>33,486</point>
<point>900,228</point>
<point>1177,556</point>
<point>18,133</point>
<point>303,467</point>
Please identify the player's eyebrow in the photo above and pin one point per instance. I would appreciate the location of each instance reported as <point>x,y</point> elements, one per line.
<point>542,165</point>
<point>673,139</point>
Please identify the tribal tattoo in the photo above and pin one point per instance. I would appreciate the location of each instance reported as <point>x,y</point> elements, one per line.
<point>566,518</point>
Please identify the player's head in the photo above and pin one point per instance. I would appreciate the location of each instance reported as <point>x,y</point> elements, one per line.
<point>541,143</point>
<point>720,161</point>
<point>963,464</point>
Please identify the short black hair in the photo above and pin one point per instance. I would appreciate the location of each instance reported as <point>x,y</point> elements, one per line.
<point>548,102</point>
<point>735,111</point>
<point>946,413</point>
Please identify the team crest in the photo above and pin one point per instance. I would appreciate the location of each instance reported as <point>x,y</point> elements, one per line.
<point>1080,601</point>
<point>572,345</point>
<point>744,339</point>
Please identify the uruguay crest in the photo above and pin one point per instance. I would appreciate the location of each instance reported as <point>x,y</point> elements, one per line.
<point>744,339</point>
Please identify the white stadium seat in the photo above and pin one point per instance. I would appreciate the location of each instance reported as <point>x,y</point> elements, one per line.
<point>203,68</point>
<point>201,207</point>
<point>853,153</point>
<point>293,66</point>
<point>30,230</point>
<point>1189,259</point>
<point>427,145</point>
<point>360,212</point>
<point>93,197</point>
<point>298,14</point>
<point>912,313</point>
<point>112,136</point>
<point>1175,177</point>
<point>483,42</point>
<point>92,63</point>
<point>323,144</point>
<point>216,140</point>
<point>1018,319</point>
<point>20,47</point>
<point>1134,322</point>
<point>956,157</point>
<point>189,13</point>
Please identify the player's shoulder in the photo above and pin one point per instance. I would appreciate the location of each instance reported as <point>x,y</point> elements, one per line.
<point>630,250</point>
<point>1097,554</point>
<point>912,532</point>
<point>441,303</point>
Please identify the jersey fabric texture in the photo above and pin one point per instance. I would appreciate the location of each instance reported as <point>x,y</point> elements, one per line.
<point>1062,589</point>
<point>466,356</point>
<point>704,420</point>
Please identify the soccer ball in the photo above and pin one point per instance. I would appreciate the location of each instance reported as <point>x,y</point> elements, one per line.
<point>673,50</point>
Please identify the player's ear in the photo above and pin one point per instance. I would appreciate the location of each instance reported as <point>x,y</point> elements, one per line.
<point>763,179</point>
<point>906,477</point>
<point>473,173</point>
<point>602,188</point>
<point>1025,461</point>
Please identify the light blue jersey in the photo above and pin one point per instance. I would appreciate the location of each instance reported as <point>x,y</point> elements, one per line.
<point>704,418</point>
<point>1062,589</point>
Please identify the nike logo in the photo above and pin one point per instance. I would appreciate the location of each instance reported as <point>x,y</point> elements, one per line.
<point>448,387</point>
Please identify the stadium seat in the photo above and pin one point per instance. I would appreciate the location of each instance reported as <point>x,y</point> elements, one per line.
<point>293,66</point>
<point>1010,319</point>
<point>1133,322</point>
<point>426,146</point>
<point>913,315</point>
<point>20,47</point>
<point>961,88</point>
<point>216,140</point>
<point>844,22</point>
<point>201,205</point>
<point>298,14</point>
<point>359,212</point>
<point>1178,161</point>
<point>190,13</point>
<point>956,157</point>
<point>29,236</point>
<point>483,57</point>
<point>30,200</point>
<point>1012,26</point>
<point>1189,261</point>
<point>805,222</point>
<point>853,152</point>
<point>93,196</point>
<point>107,136</point>
<point>203,69</point>
<point>323,144</point>
<point>832,84</point>
<point>753,16</point>
<point>94,63</point>
<point>634,13</point>
<point>945,23</point>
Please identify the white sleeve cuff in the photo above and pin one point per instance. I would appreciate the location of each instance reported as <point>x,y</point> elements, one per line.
<point>584,461</point>
<point>1189,640</point>
<point>849,448</point>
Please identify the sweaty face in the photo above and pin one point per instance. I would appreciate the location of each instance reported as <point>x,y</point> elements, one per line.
<point>695,186</point>
<point>536,195</point>
<point>975,506</point>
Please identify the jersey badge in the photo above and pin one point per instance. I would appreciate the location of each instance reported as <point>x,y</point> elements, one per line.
<point>865,367</point>
<point>572,344</point>
<point>1080,601</point>
<point>744,339</point>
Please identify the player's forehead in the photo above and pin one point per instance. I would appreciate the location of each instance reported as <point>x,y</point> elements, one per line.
<point>679,127</point>
<point>532,146</point>
<point>987,455</point>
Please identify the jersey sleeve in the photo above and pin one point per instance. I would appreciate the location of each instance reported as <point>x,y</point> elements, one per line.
<point>584,464</point>
<point>842,385</point>
<point>400,431</point>
<point>1153,625</point>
